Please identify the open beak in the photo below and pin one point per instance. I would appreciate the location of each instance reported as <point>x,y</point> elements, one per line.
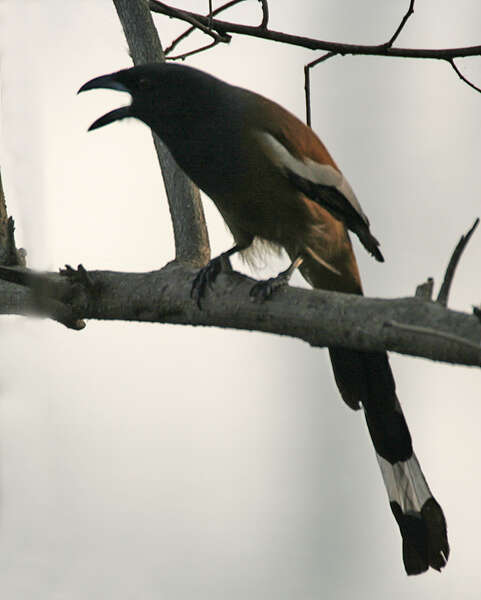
<point>107,82</point>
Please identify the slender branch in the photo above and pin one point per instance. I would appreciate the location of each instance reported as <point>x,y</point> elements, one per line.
<point>265,14</point>
<point>318,317</point>
<point>192,52</point>
<point>190,30</point>
<point>309,66</point>
<point>405,19</point>
<point>453,263</point>
<point>200,22</point>
<point>224,27</point>
<point>461,76</point>
<point>307,82</point>
<point>190,232</point>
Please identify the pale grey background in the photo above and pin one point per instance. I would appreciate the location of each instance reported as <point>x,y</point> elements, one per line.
<point>145,461</point>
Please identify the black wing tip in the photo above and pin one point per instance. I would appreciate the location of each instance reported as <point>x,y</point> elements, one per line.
<point>368,241</point>
<point>378,255</point>
<point>331,199</point>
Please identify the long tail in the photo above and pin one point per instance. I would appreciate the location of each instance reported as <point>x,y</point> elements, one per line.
<point>365,378</point>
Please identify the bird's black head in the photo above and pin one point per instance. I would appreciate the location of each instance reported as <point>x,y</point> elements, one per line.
<point>160,91</point>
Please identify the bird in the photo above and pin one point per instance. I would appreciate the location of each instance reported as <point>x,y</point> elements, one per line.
<point>275,184</point>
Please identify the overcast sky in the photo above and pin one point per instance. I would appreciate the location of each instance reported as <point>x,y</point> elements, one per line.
<point>151,461</point>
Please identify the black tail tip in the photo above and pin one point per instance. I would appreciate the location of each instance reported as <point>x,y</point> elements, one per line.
<point>425,538</point>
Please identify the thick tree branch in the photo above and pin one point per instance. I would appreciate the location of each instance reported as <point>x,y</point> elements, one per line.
<point>190,232</point>
<point>407,325</point>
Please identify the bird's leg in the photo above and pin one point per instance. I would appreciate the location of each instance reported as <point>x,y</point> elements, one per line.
<point>263,290</point>
<point>208,274</point>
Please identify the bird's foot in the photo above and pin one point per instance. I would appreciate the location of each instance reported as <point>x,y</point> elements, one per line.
<point>206,277</point>
<point>263,290</point>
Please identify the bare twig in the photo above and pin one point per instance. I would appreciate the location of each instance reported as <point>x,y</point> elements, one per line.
<point>461,76</point>
<point>205,24</point>
<point>309,66</point>
<point>386,49</point>
<point>265,14</point>
<point>307,82</point>
<point>210,14</point>
<point>224,27</point>
<point>192,52</point>
<point>190,30</point>
<point>405,19</point>
<point>183,56</point>
<point>453,263</point>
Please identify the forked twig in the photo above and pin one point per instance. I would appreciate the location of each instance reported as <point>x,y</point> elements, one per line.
<point>198,21</point>
<point>190,30</point>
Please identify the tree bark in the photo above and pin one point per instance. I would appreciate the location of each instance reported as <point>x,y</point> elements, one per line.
<point>190,231</point>
<point>413,325</point>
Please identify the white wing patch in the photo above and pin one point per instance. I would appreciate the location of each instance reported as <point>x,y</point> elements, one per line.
<point>309,169</point>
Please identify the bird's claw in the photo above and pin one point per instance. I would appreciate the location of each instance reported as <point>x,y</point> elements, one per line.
<point>263,290</point>
<point>205,277</point>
